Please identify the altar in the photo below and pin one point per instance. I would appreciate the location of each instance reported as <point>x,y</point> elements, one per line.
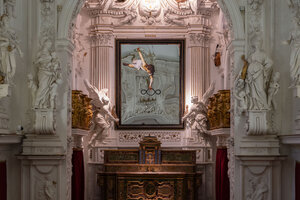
<point>149,173</point>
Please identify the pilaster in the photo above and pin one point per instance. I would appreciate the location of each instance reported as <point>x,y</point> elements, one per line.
<point>42,177</point>
<point>198,42</point>
<point>102,41</point>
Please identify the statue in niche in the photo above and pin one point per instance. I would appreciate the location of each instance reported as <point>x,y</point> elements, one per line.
<point>294,42</point>
<point>258,77</point>
<point>48,77</point>
<point>196,117</point>
<point>103,116</point>
<point>257,84</point>
<point>9,45</point>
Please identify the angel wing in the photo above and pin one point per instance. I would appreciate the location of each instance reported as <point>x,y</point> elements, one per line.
<point>94,94</point>
<point>208,93</point>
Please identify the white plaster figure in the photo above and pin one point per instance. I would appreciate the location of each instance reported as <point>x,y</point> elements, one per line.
<point>257,189</point>
<point>294,42</point>
<point>130,16</point>
<point>49,189</point>
<point>56,79</point>
<point>240,94</point>
<point>9,44</point>
<point>102,113</point>
<point>171,18</point>
<point>48,76</point>
<point>258,76</point>
<point>196,118</point>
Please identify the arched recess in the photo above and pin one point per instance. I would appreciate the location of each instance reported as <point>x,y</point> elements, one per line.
<point>230,8</point>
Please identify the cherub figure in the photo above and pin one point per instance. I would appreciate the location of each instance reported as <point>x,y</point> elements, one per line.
<point>273,89</point>
<point>241,95</point>
<point>102,113</point>
<point>197,115</point>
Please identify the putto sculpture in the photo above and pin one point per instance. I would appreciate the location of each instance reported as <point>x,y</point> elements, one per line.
<point>196,117</point>
<point>103,117</point>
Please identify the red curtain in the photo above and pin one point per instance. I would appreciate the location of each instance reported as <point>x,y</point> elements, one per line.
<point>222,180</point>
<point>78,175</point>
<point>297,181</point>
<point>3,183</point>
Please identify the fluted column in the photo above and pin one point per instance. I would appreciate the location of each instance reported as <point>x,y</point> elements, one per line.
<point>100,67</point>
<point>200,62</point>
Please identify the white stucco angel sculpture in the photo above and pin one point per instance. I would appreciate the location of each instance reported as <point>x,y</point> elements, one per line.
<point>196,118</point>
<point>102,113</point>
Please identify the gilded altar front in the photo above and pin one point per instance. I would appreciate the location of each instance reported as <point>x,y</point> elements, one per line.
<point>135,175</point>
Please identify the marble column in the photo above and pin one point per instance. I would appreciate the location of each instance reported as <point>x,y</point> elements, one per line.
<point>100,59</point>
<point>200,63</point>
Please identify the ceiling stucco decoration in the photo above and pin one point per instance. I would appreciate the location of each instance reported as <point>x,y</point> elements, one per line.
<point>151,12</point>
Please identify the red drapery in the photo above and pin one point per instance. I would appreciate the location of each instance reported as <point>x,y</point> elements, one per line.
<point>297,181</point>
<point>78,175</point>
<point>222,180</point>
<point>3,183</point>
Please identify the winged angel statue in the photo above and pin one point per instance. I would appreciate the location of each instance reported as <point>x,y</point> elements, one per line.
<point>196,117</point>
<point>102,113</point>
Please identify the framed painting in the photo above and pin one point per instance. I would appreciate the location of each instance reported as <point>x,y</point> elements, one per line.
<point>150,83</point>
